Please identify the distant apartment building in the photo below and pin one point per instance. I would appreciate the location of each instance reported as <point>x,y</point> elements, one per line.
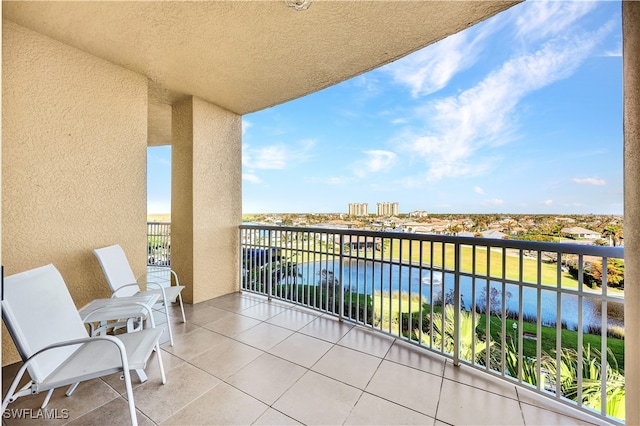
<point>388,209</point>
<point>358,209</point>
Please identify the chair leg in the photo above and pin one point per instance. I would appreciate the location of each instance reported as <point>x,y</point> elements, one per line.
<point>166,312</point>
<point>157,350</point>
<point>12,395</point>
<point>184,319</point>
<point>132,405</point>
<point>164,378</point>
<point>141,375</point>
<point>46,399</point>
<point>72,389</point>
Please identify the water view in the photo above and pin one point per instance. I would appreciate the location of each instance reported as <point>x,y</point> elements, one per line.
<point>367,277</point>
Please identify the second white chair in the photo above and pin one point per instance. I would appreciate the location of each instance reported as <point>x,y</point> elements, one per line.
<point>123,282</point>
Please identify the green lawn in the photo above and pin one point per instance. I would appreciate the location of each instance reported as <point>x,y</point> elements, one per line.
<point>548,335</point>
<point>568,339</point>
<point>494,262</point>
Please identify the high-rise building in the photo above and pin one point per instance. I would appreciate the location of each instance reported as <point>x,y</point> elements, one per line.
<point>358,209</point>
<point>388,209</point>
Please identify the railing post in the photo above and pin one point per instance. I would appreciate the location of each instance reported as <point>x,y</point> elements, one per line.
<point>341,280</point>
<point>270,270</point>
<point>456,304</point>
<point>241,234</point>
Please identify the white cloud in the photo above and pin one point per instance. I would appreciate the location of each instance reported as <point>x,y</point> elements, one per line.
<point>369,84</point>
<point>478,190</point>
<point>276,157</point>
<point>431,68</point>
<point>590,181</point>
<point>246,124</point>
<point>617,52</point>
<point>542,19</point>
<point>250,177</point>
<point>547,202</point>
<point>459,128</point>
<point>376,161</point>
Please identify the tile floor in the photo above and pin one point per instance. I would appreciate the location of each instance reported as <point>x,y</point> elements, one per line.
<point>243,360</point>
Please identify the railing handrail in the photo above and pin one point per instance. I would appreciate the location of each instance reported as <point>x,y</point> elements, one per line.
<point>542,246</point>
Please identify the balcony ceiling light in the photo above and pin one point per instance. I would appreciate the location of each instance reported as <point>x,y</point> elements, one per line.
<point>298,4</point>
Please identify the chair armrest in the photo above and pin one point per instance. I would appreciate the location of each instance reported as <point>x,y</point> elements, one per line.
<point>146,307</point>
<point>124,361</point>
<point>154,284</point>
<point>171,271</point>
<point>112,339</point>
<point>124,286</point>
<point>151,284</point>
<point>175,276</point>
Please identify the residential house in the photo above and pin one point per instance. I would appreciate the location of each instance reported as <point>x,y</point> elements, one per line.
<point>580,233</point>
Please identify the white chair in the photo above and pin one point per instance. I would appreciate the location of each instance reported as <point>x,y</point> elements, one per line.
<point>54,344</point>
<point>123,282</point>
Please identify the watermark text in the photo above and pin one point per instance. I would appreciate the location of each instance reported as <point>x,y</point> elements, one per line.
<point>33,414</point>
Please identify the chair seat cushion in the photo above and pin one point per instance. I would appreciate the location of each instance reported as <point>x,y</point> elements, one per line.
<point>171,292</point>
<point>100,357</point>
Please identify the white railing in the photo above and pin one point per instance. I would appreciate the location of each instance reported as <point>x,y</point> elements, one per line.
<point>537,314</point>
<point>158,244</point>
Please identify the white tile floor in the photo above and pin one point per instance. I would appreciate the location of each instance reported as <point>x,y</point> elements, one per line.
<point>243,360</point>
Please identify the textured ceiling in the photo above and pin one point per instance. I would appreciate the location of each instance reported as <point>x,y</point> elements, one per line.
<point>247,55</point>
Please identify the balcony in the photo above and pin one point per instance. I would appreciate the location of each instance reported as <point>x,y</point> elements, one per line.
<point>320,334</point>
<point>244,359</point>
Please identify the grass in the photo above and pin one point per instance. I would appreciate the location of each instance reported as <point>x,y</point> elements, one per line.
<point>481,264</point>
<point>548,336</point>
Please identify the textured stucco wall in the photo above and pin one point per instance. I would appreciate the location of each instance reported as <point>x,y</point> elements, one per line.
<point>631,70</point>
<point>73,162</point>
<point>206,206</point>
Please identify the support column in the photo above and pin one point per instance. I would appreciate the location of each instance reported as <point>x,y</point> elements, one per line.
<point>631,82</point>
<point>206,198</point>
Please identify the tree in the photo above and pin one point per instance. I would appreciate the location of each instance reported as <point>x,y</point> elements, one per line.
<point>613,233</point>
<point>454,229</point>
<point>615,272</point>
<point>494,302</point>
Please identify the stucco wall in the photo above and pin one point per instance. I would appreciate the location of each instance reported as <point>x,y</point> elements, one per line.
<point>631,70</point>
<point>73,162</point>
<point>206,206</point>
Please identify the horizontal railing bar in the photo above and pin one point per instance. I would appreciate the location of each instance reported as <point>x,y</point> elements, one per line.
<point>541,246</point>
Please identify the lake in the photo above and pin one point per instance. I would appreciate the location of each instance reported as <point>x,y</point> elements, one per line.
<point>368,277</point>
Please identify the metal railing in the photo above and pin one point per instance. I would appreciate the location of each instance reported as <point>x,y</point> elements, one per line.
<point>540,315</point>
<point>158,244</point>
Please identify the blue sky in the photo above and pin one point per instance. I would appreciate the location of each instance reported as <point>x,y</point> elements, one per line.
<point>521,113</point>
